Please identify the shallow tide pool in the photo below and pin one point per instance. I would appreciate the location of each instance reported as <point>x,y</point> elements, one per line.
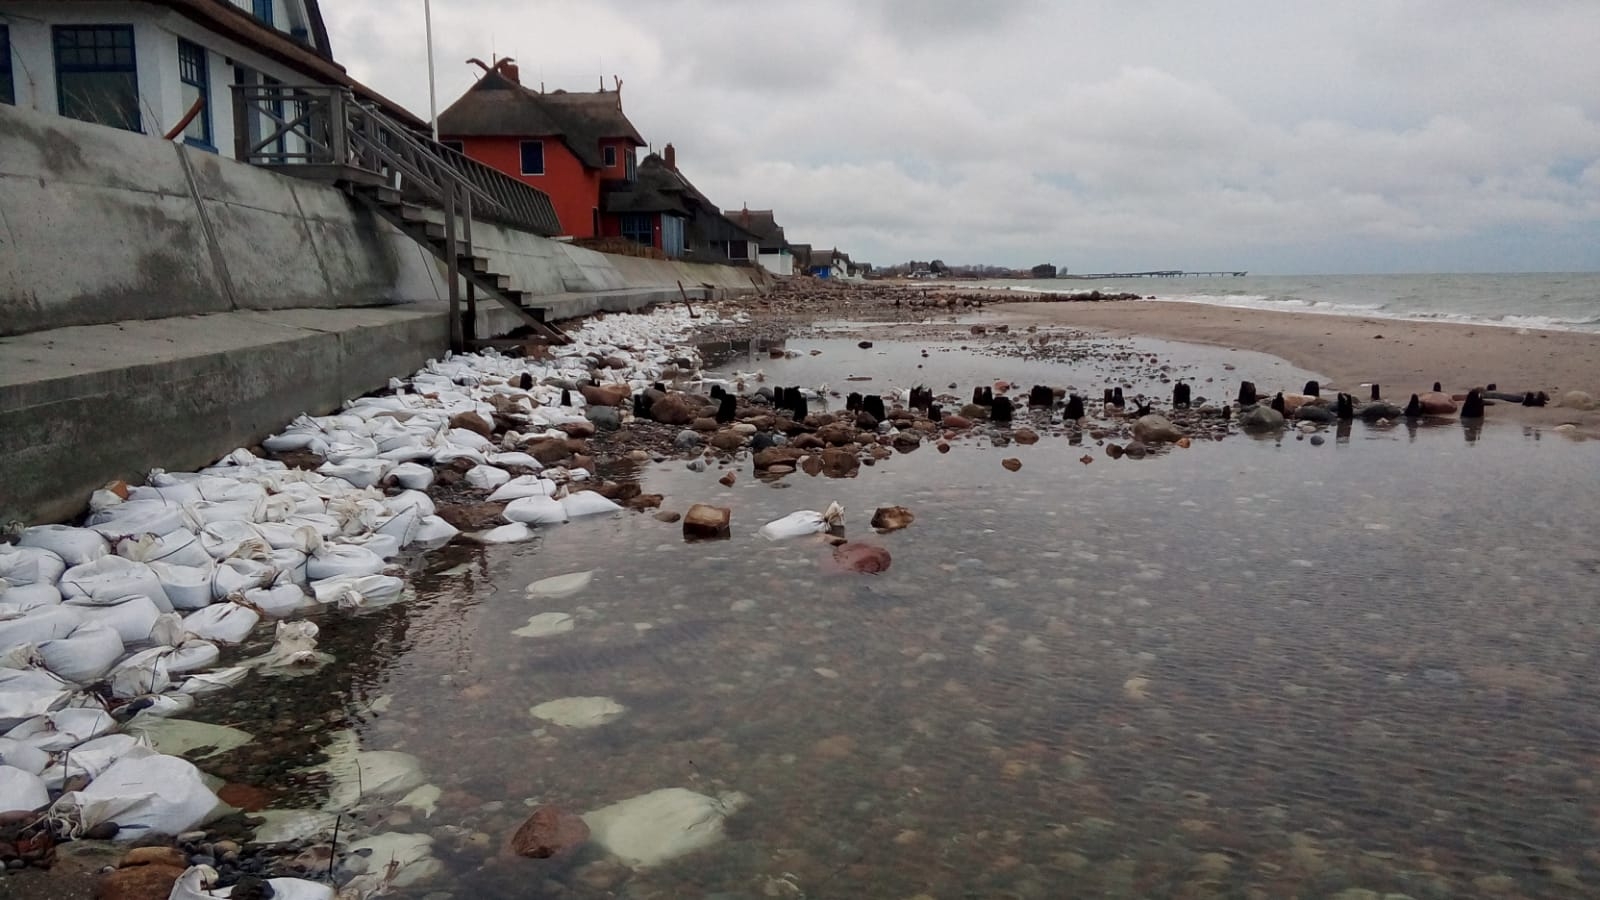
<point>1254,668</point>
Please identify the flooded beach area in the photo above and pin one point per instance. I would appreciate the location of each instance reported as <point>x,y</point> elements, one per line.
<point>1346,660</point>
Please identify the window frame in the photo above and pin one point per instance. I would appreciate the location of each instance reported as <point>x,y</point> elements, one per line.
<point>62,68</point>
<point>522,157</point>
<point>458,146</point>
<point>608,155</point>
<point>202,64</point>
<point>631,158</point>
<point>262,9</point>
<point>8,81</point>
<point>634,233</point>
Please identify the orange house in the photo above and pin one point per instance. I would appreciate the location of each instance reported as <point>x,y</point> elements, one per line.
<point>563,143</point>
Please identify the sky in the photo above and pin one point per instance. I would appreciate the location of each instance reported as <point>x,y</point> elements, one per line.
<point>1279,136</point>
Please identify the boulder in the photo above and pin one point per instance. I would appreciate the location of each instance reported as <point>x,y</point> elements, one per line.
<point>152,882</point>
<point>867,559</point>
<point>606,394</point>
<point>1156,430</point>
<point>892,518</point>
<point>1579,400</point>
<point>1025,436</point>
<point>581,430</point>
<point>1011,463</point>
<point>550,832</point>
<point>674,409</point>
<point>471,421</point>
<point>727,440</point>
<point>1436,403</point>
<point>773,456</point>
<point>958,422</point>
<point>605,418</point>
<point>704,521</point>
<point>838,463</point>
<point>836,434</point>
<point>1261,418</point>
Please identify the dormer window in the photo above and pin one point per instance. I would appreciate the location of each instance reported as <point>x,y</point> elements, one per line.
<point>609,154</point>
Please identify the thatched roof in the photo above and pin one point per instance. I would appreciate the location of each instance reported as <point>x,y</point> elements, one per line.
<point>499,107</point>
<point>655,188</point>
<point>764,225</point>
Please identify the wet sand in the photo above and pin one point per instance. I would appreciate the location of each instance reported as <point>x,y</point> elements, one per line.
<point>1410,356</point>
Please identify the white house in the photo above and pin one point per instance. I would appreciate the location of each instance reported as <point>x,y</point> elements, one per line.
<point>774,252</point>
<point>144,65</point>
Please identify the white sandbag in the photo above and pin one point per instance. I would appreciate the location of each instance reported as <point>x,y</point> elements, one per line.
<point>280,601</point>
<point>412,476</point>
<point>144,793</point>
<point>449,453</point>
<point>227,623</point>
<point>233,539</point>
<point>164,705</point>
<point>21,791</point>
<point>235,575</point>
<point>290,441</point>
<point>536,510</point>
<point>85,655</point>
<point>359,472</point>
<point>486,477</point>
<point>191,885</point>
<point>294,644</point>
<point>207,682</point>
<point>587,503</point>
<point>45,623</point>
<point>405,500</point>
<point>325,525</point>
<point>170,491</point>
<point>337,560</point>
<point>138,517</point>
<point>63,729</point>
<point>408,454</point>
<point>29,565</point>
<point>192,656</point>
<point>804,522</point>
<point>21,656</point>
<point>433,530</point>
<point>178,548</point>
<point>515,458</point>
<point>24,597</point>
<point>523,486</point>
<point>187,587</point>
<point>402,526</point>
<point>89,759</point>
<point>132,617</point>
<point>204,512</point>
<point>514,533</point>
<point>25,693</point>
<point>358,590</point>
<point>168,631</point>
<point>20,755</point>
<point>291,566</point>
<point>463,437</point>
<point>230,490</point>
<point>75,546</point>
<point>143,673</point>
<point>110,577</point>
<point>383,546</point>
<point>286,535</point>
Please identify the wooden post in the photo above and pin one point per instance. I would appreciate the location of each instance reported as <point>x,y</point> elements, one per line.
<point>685,295</point>
<point>452,263</point>
<point>456,187</point>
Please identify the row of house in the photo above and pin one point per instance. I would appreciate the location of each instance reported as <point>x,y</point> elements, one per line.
<point>168,68</point>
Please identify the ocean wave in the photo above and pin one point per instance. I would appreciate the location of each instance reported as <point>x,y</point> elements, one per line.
<point>1382,311</point>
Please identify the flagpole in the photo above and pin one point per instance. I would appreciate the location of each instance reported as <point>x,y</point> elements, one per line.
<point>433,101</point>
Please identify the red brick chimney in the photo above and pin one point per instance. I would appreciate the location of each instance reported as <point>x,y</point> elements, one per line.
<point>670,157</point>
<point>508,68</point>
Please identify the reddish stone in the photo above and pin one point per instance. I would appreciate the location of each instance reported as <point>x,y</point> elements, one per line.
<point>471,421</point>
<point>1011,463</point>
<point>868,559</point>
<point>138,883</point>
<point>958,422</point>
<point>548,833</point>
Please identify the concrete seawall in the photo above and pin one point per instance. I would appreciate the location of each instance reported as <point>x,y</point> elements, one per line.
<point>160,306</point>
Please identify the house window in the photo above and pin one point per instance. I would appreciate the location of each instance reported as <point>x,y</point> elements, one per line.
<point>738,250</point>
<point>672,236</point>
<point>96,79</point>
<point>458,146</point>
<point>8,90</point>
<point>639,228</point>
<point>633,164</point>
<point>196,79</point>
<point>263,10</point>
<point>610,156</point>
<point>533,157</point>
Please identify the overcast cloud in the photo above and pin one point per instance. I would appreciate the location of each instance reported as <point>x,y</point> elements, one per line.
<point>1274,135</point>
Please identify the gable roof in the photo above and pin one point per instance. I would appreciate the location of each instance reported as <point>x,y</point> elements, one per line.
<point>497,106</point>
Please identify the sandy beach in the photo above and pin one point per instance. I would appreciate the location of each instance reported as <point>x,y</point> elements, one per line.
<point>1409,356</point>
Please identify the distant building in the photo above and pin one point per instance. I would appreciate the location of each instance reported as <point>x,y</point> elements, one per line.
<point>565,143</point>
<point>661,208</point>
<point>145,66</point>
<point>828,264</point>
<point>775,255</point>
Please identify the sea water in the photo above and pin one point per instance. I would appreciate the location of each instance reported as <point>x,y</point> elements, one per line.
<point>1569,301</point>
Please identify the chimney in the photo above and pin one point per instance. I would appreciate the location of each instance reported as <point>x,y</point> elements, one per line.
<point>508,68</point>
<point>670,157</point>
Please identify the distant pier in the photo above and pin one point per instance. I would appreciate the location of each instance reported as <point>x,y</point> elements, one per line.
<point>1159,273</point>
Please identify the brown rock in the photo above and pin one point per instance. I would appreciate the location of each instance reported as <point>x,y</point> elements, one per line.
<point>892,518</point>
<point>674,409</point>
<point>727,440</point>
<point>471,421</point>
<point>838,463</point>
<point>1086,459</point>
<point>780,470</point>
<point>705,423</point>
<point>155,856</point>
<point>728,479</point>
<point>1183,443</point>
<point>773,456</point>
<point>549,832</point>
<point>807,442</point>
<point>667,515</point>
<point>1025,436</point>
<point>584,429</point>
<point>703,521</point>
<point>645,501</point>
<point>138,883</point>
<point>957,422</point>
<point>1011,463</point>
<point>974,412</point>
<point>1435,403</point>
<point>943,446</point>
<point>244,796</point>
<point>1114,451</point>
<point>472,516</point>
<point>907,441</point>
<point>548,451</point>
<point>606,394</point>
<point>811,465</point>
<point>878,451</point>
<point>867,559</point>
<point>836,434</point>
